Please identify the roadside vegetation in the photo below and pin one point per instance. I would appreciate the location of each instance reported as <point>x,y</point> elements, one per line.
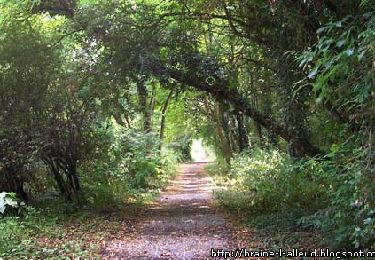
<point>100,100</point>
<point>114,188</point>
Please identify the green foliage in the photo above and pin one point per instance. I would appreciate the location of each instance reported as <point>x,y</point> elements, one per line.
<point>29,234</point>
<point>274,193</point>
<point>181,146</point>
<point>348,220</point>
<point>341,64</point>
<point>69,69</point>
<point>27,67</point>
<point>129,168</point>
<point>269,182</point>
<point>341,72</point>
<point>332,195</point>
<point>15,230</point>
<point>282,231</point>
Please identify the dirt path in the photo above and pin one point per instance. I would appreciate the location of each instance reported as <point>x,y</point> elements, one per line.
<point>182,224</point>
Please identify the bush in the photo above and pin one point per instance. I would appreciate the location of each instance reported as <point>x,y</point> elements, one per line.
<point>348,221</point>
<point>181,146</point>
<point>333,194</point>
<point>128,167</point>
<point>21,235</point>
<point>270,182</point>
<point>17,229</point>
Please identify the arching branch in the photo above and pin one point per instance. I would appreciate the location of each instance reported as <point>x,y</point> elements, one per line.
<point>221,92</point>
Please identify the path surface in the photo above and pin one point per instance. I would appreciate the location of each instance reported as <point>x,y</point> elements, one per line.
<point>182,224</point>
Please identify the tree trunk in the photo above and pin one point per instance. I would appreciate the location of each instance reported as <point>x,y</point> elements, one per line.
<point>258,128</point>
<point>163,117</point>
<point>142,104</point>
<point>64,190</point>
<point>224,122</point>
<point>73,172</point>
<point>221,93</point>
<point>149,111</point>
<point>225,145</point>
<point>243,141</point>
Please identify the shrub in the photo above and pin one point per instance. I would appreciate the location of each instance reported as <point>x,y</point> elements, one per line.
<point>348,221</point>
<point>272,183</point>
<point>129,166</point>
<point>333,194</point>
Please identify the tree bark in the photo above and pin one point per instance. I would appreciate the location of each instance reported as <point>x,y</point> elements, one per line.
<point>143,106</point>
<point>224,140</point>
<point>221,93</point>
<point>150,111</point>
<point>163,116</point>
<point>258,128</point>
<point>243,141</point>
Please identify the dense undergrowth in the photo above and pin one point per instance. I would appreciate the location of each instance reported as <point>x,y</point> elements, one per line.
<point>127,173</point>
<point>100,99</point>
<point>283,195</point>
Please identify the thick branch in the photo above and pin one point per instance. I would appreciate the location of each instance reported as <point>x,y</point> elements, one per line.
<point>221,92</point>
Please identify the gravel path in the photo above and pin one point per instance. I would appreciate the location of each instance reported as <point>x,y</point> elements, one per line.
<point>182,223</point>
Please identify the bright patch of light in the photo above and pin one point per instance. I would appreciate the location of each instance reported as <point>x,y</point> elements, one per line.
<point>199,153</point>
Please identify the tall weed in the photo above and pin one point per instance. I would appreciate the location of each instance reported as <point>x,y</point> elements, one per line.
<point>331,194</point>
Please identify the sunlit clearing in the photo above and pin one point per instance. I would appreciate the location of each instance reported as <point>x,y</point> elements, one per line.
<point>199,153</point>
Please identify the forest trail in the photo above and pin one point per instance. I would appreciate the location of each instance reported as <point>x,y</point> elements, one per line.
<point>182,223</point>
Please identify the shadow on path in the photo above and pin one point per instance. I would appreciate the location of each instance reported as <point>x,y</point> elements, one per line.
<point>181,224</point>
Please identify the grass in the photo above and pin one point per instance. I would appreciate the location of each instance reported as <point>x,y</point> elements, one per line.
<point>56,229</point>
<point>25,236</point>
<point>282,231</point>
<point>271,229</point>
